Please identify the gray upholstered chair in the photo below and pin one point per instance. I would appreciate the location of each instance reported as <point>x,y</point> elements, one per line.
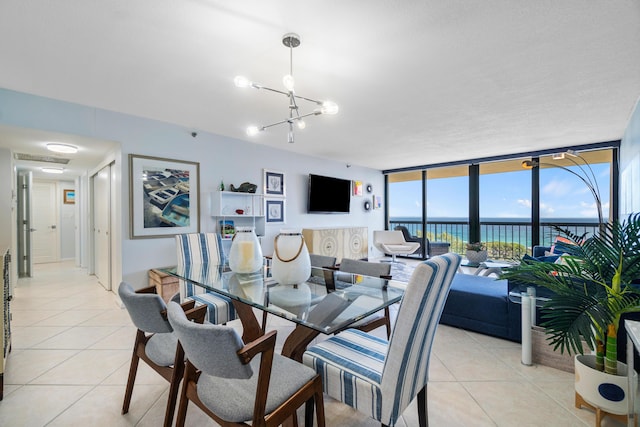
<point>379,377</point>
<point>155,342</point>
<point>318,262</point>
<point>373,269</point>
<point>392,242</point>
<point>198,251</point>
<point>225,379</point>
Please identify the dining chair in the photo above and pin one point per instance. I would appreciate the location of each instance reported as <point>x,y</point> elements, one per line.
<point>155,342</point>
<point>194,251</point>
<point>225,379</point>
<point>374,269</point>
<point>381,377</point>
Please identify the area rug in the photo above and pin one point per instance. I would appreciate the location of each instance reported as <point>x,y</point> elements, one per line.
<point>401,272</point>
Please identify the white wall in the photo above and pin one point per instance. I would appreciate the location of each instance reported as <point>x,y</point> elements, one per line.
<point>220,157</point>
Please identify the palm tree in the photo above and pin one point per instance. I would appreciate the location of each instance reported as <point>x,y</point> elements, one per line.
<point>591,288</point>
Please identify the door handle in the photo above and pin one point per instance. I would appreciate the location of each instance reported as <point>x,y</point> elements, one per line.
<point>53,227</point>
<point>32,229</point>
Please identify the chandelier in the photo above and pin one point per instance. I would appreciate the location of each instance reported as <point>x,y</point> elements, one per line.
<point>290,40</point>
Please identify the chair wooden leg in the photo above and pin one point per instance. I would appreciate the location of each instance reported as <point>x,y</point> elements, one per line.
<point>133,369</point>
<point>423,416</point>
<point>176,377</point>
<point>308,413</point>
<point>387,322</point>
<point>189,374</point>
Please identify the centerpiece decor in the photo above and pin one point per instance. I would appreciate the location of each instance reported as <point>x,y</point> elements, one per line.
<point>245,255</point>
<point>476,252</point>
<point>291,264</point>
<point>591,290</point>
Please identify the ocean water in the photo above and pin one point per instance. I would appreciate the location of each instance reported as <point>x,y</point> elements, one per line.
<point>507,230</point>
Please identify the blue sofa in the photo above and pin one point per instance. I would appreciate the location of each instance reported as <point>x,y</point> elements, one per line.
<point>481,304</point>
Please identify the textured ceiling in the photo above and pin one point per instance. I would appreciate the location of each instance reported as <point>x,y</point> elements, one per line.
<point>417,82</point>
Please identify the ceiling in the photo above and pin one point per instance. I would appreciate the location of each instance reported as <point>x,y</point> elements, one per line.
<point>417,82</point>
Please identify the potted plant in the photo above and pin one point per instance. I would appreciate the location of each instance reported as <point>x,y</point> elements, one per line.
<point>591,290</point>
<point>476,252</point>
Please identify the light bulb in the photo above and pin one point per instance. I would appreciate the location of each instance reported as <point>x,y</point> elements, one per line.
<point>242,81</point>
<point>302,124</point>
<point>252,130</point>
<point>288,82</point>
<point>329,107</point>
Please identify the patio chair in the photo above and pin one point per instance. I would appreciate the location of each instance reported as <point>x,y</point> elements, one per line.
<point>392,242</point>
<point>225,379</point>
<point>155,342</point>
<point>194,251</point>
<point>410,238</point>
<point>379,377</point>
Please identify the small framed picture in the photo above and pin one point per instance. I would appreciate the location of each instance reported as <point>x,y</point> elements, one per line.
<point>357,188</point>
<point>377,202</point>
<point>274,210</point>
<point>69,197</point>
<point>273,183</point>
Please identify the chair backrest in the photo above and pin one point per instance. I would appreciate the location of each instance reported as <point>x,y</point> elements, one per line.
<point>406,369</point>
<point>375,269</point>
<point>322,260</point>
<point>199,248</point>
<point>144,309</point>
<point>210,348</point>
<point>194,251</point>
<point>388,237</point>
<point>405,232</point>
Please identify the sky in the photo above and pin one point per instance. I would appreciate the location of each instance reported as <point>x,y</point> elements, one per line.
<point>505,195</point>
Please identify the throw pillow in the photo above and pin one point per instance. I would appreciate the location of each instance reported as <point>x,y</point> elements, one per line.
<point>550,258</point>
<point>562,245</point>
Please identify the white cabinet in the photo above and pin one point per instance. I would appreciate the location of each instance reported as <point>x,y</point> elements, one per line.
<point>242,209</point>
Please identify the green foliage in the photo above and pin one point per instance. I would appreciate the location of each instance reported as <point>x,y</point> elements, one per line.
<point>592,288</point>
<point>477,246</point>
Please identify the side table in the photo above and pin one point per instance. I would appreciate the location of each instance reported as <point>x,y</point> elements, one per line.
<point>529,301</point>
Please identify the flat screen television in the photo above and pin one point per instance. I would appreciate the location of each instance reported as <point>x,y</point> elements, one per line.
<point>328,195</point>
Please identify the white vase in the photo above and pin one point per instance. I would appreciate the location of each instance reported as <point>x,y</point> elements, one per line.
<point>245,255</point>
<point>476,256</point>
<point>599,389</point>
<point>291,264</point>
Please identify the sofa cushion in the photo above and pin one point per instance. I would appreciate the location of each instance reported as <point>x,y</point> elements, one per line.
<point>478,298</point>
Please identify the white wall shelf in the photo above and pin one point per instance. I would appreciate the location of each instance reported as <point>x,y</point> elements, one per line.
<point>225,203</point>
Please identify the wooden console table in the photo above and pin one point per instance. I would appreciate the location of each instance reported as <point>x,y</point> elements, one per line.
<point>341,242</point>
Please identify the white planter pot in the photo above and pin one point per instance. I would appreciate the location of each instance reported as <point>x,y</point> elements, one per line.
<point>605,391</point>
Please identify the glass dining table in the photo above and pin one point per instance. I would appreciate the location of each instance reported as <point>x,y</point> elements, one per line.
<point>328,302</point>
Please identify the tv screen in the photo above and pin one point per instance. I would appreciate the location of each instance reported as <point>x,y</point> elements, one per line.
<point>329,195</point>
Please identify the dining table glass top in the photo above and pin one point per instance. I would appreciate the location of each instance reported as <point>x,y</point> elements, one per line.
<point>327,302</point>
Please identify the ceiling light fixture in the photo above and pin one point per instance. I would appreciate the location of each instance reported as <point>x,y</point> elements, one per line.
<point>52,170</point>
<point>290,40</point>
<point>62,148</point>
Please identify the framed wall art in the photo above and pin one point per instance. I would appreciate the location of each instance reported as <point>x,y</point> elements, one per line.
<point>273,183</point>
<point>69,197</point>
<point>164,197</point>
<point>274,210</point>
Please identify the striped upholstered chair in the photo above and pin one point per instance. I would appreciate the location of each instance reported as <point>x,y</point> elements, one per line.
<point>202,253</point>
<point>379,377</point>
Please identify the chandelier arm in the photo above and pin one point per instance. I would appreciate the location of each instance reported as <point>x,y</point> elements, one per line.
<point>308,99</point>
<point>289,120</point>
<point>274,90</point>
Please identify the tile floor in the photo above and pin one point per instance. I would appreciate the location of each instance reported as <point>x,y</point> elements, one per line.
<point>72,344</point>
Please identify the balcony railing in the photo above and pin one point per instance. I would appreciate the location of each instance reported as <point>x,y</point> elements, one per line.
<point>505,240</point>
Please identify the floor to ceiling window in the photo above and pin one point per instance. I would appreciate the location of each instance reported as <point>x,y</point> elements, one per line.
<point>566,198</point>
<point>506,206</point>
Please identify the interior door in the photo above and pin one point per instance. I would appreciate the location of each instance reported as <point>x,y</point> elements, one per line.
<point>25,221</point>
<point>102,226</point>
<point>45,236</point>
